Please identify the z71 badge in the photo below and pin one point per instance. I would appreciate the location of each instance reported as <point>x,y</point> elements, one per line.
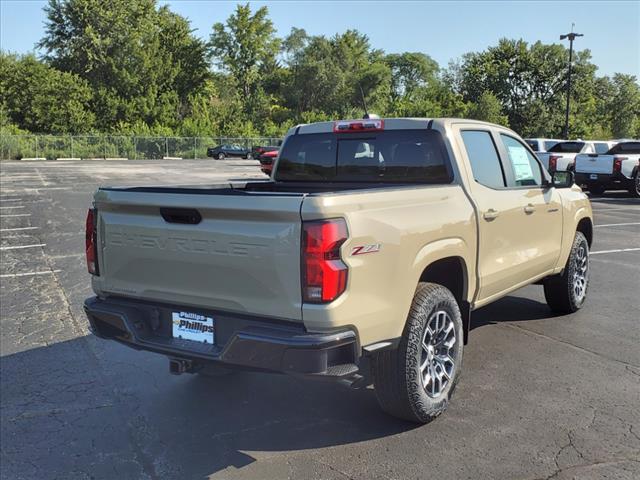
<point>362,249</point>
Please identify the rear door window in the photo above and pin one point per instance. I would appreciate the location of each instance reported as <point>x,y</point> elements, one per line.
<point>525,167</point>
<point>484,159</point>
<point>399,156</point>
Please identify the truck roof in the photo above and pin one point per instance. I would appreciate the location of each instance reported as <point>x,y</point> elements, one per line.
<point>394,123</point>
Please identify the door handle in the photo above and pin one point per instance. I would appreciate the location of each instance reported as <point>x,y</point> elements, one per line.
<point>490,215</point>
<point>529,209</point>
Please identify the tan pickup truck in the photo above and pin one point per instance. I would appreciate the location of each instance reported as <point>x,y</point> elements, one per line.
<point>374,238</point>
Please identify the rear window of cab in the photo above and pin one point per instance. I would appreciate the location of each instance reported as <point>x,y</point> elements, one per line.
<point>397,156</point>
<point>626,147</point>
<point>567,147</point>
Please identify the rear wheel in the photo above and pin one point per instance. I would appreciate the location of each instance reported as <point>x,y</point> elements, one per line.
<point>634,189</point>
<point>249,156</point>
<point>567,292</point>
<point>415,381</point>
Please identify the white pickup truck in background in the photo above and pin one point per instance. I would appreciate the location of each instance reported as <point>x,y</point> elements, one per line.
<point>562,155</point>
<point>613,170</point>
<point>541,144</point>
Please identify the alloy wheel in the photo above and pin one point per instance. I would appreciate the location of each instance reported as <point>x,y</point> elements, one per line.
<point>437,359</point>
<point>581,273</point>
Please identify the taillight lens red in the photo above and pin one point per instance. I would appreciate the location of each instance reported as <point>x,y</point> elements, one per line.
<point>553,162</point>
<point>324,275</point>
<point>617,163</point>
<point>90,242</point>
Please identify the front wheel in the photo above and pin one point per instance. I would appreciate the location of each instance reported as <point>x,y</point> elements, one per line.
<point>566,293</point>
<point>415,381</point>
<point>221,156</point>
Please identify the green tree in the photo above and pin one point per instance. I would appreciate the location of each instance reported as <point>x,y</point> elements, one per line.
<point>529,82</point>
<point>142,63</point>
<point>409,71</point>
<point>624,106</point>
<point>42,99</point>
<point>244,47</point>
<point>489,109</point>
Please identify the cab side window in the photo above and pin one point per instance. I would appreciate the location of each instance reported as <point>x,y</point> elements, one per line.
<point>526,169</point>
<point>484,159</point>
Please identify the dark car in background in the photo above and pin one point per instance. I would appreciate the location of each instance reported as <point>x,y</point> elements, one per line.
<point>229,150</point>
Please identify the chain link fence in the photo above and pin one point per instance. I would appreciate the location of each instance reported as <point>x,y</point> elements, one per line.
<point>53,147</point>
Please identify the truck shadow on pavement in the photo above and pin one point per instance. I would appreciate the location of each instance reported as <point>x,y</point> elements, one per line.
<point>511,309</point>
<point>119,405</point>
<point>122,411</point>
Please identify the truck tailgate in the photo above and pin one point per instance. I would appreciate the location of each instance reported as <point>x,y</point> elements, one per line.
<point>243,255</point>
<point>593,163</point>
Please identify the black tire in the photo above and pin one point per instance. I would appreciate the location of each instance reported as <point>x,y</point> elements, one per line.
<point>396,374</point>
<point>595,189</point>
<point>634,189</point>
<point>560,291</point>
<point>249,156</point>
<point>221,156</point>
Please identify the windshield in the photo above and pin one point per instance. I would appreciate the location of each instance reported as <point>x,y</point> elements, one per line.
<point>409,156</point>
<point>567,147</point>
<point>601,147</point>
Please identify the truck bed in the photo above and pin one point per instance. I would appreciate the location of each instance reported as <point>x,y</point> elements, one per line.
<point>210,246</point>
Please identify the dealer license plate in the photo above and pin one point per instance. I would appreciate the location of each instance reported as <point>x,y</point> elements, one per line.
<point>593,176</point>
<point>193,326</point>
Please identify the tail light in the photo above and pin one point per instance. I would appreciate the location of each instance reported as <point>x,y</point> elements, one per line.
<point>91,242</point>
<point>324,275</point>
<point>553,162</point>
<point>617,163</point>
<point>355,126</point>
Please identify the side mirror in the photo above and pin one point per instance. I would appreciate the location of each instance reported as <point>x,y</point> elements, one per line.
<point>562,179</point>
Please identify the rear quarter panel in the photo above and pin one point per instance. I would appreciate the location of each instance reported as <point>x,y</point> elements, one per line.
<point>414,226</point>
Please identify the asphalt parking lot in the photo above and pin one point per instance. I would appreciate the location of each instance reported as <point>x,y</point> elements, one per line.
<point>541,396</point>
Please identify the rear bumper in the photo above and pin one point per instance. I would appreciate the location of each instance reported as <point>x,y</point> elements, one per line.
<point>240,341</point>
<point>610,180</point>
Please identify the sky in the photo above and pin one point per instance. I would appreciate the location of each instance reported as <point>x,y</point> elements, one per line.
<point>443,30</point>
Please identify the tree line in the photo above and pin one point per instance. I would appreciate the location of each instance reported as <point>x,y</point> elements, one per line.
<point>134,67</point>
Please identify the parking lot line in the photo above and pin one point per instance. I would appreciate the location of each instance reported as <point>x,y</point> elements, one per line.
<point>616,251</point>
<point>17,229</point>
<point>37,188</point>
<point>14,206</point>
<point>18,247</point>
<point>16,215</point>
<point>616,224</point>
<point>28,274</point>
<point>3,199</point>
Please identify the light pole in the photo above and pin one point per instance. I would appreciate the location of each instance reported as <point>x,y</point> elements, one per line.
<point>571,36</point>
